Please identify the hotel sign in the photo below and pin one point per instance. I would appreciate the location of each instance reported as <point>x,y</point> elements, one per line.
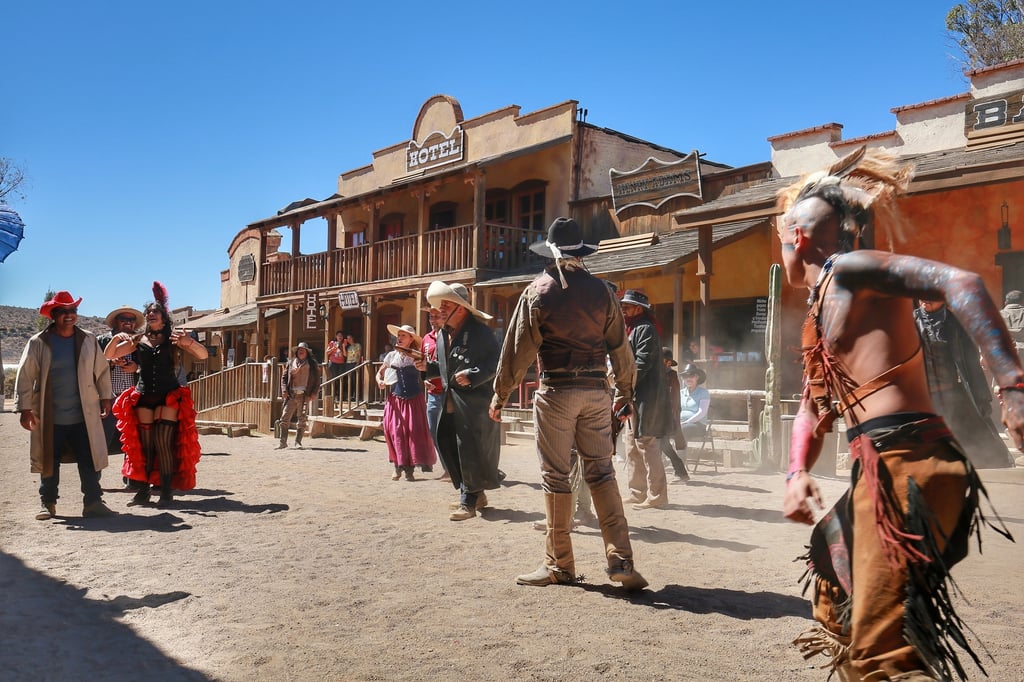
<point>436,150</point>
<point>996,115</point>
<point>655,182</point>
<point>311,311</point>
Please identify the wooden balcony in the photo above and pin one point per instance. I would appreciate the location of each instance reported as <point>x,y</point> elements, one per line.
<point>502,249</point>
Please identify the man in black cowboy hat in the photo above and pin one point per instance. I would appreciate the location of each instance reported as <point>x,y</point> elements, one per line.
<point>300,381</point>
<point>569,322</point>
<point>648,485</point>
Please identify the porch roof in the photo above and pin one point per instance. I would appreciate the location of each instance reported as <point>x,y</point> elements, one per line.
<point>671,250</point>
<point>230,318</point>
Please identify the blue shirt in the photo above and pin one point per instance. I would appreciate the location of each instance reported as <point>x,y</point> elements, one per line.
<point>689,403</point>
<point>67,404</point>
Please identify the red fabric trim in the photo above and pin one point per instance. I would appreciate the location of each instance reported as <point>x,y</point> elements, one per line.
<point>188,450</point>
<point>896,542</point>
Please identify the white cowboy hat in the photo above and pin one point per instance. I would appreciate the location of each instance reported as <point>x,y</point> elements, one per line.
<point>393,329</point>
<point>457,294</point>
<point>140,319</point>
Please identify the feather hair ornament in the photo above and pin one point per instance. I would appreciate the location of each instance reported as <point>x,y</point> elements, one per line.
<point>160,295</point>
<point>869,181</point>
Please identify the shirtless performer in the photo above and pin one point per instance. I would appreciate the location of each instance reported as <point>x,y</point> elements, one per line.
<point>879,560</point>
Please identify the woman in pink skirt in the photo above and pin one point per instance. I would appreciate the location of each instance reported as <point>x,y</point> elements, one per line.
<point>405,412</point>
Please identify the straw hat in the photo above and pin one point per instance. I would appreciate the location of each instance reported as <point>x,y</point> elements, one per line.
<point>393,329</point>
<point>125,310</point>
<point>457,294</point>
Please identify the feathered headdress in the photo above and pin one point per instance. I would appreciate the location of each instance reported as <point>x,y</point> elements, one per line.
<point>867,181</point>
<point>160,295</point>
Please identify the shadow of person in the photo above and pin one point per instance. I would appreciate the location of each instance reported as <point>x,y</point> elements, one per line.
<point>703,600</point>
<point>37,608</point>
<point>216,505</point>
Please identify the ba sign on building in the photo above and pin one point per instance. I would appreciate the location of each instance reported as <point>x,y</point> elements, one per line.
<point>655,182</point>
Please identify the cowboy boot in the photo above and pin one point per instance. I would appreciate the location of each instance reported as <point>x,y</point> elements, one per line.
<point>298,437</point>
<point>166,499</point>
<point>559,566</point>
<point>615,533</point>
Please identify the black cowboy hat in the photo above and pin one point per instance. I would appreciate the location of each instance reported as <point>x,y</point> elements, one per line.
<point>636,298</point>
<point>666,354</point>
<point>692,370</point>
<point>565,238</point>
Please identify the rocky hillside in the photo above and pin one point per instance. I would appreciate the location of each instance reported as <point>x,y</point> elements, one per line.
<point>18,324</point>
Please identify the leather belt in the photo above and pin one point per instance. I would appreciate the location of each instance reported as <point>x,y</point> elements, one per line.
<point>569,374</point>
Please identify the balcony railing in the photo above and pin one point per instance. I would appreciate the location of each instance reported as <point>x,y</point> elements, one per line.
<point>502,248</point>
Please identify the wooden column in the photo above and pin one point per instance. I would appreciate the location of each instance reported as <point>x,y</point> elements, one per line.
<point>704,274</point>
<point>479,182</point>
<point>677,315</point>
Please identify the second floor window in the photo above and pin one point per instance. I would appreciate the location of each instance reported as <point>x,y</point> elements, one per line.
<point>529,202</point>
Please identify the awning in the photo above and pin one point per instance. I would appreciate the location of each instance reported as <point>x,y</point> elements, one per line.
<point>231,318</point>
<point>673,249</point>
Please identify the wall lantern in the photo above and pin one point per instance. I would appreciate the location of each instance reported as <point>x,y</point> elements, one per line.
<point>1003,234</point>
<point>365,308</point>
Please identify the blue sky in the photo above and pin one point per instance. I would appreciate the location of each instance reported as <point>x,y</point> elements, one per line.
<point>152,132</point>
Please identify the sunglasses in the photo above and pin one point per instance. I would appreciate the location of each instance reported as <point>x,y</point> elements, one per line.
<point>65,311</point>
<point>125,318</point>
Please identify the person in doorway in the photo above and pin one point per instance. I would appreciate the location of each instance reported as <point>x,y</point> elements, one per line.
<point>884,610</point>
<point>958,386</point>
<point>569,322</point>
<point>466,357</point>
<point>667,447</point>
<point>336,354</point>
<point>300,382</point>
<point>353,356</point>
<point>405,410</point>
<point>62,390</point>
<point>157,417</point>
<point>123,371</point>
<point>648,485</point>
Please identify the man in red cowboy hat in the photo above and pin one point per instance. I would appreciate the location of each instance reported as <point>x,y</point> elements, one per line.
<point>569,322</point>
<point>63,392</point>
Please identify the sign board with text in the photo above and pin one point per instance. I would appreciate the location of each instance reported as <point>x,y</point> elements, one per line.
<point>654,182</point>
<point>311,311</point>
<point>348,300</point>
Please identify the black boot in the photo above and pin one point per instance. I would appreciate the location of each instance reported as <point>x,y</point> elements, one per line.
<point>165,492</point>
<point>141,495</point>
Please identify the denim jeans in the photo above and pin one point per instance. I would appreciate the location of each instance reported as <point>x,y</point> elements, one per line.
<point>75,436</point>
<point>434,403</point>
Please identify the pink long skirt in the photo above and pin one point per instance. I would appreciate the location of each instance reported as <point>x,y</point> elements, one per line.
<point>407,433</point>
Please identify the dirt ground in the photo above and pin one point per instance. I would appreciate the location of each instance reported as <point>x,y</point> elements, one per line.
<point>313,565</point>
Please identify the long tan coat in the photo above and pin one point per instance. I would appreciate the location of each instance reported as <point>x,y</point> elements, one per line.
<point>32,388</point>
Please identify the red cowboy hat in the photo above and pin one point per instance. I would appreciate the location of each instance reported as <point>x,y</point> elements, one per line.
<point>61,300</point>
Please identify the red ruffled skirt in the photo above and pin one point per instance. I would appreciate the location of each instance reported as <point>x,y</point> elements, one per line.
<point>188,452</point>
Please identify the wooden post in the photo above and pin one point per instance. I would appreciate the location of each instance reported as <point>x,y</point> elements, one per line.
<point>768,447</point>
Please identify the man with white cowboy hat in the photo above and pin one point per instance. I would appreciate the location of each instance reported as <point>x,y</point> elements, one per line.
<point>63,392</point>
<point>648,484</point>
<point>300,381</point>
<point>123,370</point>
<point>569,322</point>
<point>467,353</point>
